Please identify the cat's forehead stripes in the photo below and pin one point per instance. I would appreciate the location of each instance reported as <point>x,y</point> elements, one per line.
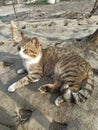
<point>29,43</point>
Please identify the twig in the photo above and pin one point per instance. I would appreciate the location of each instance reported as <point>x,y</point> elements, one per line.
<point>94,8</point>
<point>15,10</point>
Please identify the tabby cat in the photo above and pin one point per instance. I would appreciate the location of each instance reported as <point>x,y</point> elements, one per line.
<point>72,75</point>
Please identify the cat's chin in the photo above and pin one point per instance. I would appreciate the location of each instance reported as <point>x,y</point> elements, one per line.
<point>24,56</point>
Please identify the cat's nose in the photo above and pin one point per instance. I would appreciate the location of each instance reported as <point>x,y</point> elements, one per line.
<point>18,48</point>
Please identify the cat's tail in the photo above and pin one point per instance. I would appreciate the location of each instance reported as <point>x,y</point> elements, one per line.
<point>84,93</point>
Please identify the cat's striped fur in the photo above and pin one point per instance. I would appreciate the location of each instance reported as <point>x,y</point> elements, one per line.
<point>71,73</point>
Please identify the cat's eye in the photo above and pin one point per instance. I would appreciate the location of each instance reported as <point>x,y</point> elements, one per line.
<point>25,50</point>
<point>18,48</point>
<point>32,51</point>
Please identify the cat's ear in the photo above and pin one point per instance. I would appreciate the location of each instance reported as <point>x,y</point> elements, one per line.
<point>35,41</point>
<point>23,35</point>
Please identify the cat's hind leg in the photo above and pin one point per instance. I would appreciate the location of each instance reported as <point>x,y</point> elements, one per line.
<point>50,87</point>
<point>59,100</point>
<point>65,97</point>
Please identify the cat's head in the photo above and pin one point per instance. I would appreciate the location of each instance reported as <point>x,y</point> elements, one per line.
<point>29,47</point>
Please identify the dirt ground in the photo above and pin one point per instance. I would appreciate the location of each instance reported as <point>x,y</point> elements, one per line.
<point>65,9</point>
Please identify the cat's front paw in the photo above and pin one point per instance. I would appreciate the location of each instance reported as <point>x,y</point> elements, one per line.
<point>12,87</point>
<point>45,88</point>
<point>21,71</point>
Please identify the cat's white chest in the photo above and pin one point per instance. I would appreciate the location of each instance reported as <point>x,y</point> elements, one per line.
<point>26,64</point>
<point>31,61</point>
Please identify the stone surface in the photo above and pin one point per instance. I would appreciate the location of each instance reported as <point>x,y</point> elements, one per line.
<point>4,128</point>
